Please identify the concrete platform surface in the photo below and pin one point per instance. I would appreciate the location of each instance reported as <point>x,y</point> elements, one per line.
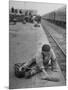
<point>24,42</point>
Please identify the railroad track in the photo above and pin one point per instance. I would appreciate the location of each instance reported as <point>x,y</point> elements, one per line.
<point>57,44</point>
<point>60,55</point>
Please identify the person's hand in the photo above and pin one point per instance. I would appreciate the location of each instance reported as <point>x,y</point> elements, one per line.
<point>55,69</point>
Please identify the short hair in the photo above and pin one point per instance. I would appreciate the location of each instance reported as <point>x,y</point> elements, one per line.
<point>46,48</point>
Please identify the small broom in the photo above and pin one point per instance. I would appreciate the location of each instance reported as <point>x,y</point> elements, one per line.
<point>54,79</point>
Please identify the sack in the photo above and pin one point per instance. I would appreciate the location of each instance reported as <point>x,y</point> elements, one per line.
<point>19,73</point>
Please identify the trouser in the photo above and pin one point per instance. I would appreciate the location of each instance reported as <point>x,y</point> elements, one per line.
<point>26,69</point>
<point>29,68</point>
<point>32,63</point>
<point>33,68</point>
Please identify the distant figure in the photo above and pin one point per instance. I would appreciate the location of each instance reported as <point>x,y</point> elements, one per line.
<point>38,19</point>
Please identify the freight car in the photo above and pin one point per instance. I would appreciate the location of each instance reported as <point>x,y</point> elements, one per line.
<point>57,17</point>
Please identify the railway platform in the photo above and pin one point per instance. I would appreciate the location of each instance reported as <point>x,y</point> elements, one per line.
<point>24,45</point>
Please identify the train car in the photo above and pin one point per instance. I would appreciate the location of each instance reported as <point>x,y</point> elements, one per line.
<point>57,17</point>
<point>60,18</point>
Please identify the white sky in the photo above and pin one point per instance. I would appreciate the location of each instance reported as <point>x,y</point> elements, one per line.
<point>42,8</point>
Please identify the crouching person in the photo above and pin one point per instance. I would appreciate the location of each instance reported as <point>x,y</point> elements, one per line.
<point>45,58</point>
<point>42,60</point>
